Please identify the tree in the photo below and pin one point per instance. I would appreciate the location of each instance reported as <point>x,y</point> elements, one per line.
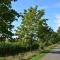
<point>7,16</point>
<point>33,26</point>
<point>58,31</point>
<point>58,35</point>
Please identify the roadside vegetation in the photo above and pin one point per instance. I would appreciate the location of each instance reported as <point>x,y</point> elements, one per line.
<point>42,53</point>
<point>34,34</point>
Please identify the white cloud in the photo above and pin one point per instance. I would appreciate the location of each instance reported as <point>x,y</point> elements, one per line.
<point>57,20</point>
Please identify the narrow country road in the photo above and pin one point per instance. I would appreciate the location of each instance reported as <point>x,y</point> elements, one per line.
<point>53,55</point>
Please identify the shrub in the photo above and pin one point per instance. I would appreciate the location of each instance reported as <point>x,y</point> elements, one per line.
<point>12,48</point>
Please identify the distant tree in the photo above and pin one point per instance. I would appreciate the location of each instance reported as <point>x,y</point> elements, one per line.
<point>58,31</point>
<point>7,16</point>
<point>58,35</point>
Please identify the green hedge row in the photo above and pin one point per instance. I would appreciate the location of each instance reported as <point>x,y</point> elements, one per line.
<point>14,48</point>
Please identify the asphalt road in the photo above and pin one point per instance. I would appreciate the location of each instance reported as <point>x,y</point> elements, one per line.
<point>53,55</point>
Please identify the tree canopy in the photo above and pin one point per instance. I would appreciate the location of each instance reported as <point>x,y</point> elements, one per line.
<point>34,27</point>
<point>7,16</point>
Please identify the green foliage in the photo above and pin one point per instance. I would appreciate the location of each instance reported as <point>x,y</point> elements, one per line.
<point>7,16</point>
<point>58,31</point>
<point>9,48</point>
<point>33,33</point>
<point>32,25</point>
<point>35,28</point>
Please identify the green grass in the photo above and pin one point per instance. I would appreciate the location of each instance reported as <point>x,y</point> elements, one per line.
<point>37,57</point>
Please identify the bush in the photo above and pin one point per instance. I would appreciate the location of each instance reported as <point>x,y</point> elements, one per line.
<point>12,48</point>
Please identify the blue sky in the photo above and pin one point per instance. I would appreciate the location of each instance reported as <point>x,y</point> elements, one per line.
<point>52,10</point>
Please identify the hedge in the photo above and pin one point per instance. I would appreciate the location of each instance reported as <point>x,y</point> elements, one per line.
<point>14,48</point>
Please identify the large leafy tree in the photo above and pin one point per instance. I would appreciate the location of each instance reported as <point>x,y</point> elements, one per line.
<point>33,26</point>
<point>7,16</point>
<point>34,29</point>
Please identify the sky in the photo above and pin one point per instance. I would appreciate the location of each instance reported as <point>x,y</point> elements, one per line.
<point>52,10</point>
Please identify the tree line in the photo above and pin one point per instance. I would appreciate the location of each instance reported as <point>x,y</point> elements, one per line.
<point>33,32</point>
